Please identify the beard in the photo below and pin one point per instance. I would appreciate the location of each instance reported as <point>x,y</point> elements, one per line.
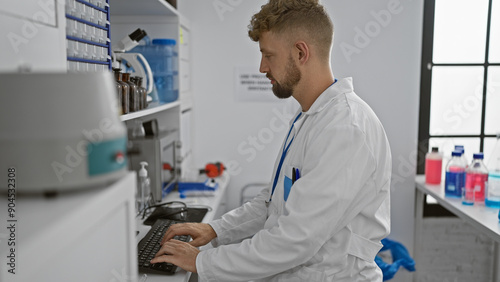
<point>285,90</point>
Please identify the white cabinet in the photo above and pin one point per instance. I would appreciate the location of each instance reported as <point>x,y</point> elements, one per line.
<point>42,12</point>
<point>33,36</point>
<point>185,61</point>
<point>85,235</point>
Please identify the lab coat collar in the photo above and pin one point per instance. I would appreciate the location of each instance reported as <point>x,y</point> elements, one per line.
<point>343,85</point>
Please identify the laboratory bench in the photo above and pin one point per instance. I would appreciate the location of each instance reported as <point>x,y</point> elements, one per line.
<point>51,238</point>
<point>484,219</point>
<point>216,203</point>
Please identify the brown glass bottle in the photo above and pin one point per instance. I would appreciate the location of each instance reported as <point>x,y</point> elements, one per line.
<point>119,90</point>
<point>134,93</point>
<point>133,80</point>
<point>125,91</point>
<point>143,93</point>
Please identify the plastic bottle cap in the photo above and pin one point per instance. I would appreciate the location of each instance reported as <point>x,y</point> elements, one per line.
<point>479,156</point>
<point>456,154</point>
<point>164,41</point>
<point>435,149</point>
<point>460,148</point>
<point>143,172</point>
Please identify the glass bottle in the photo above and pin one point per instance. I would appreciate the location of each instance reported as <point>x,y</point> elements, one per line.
<point>132,80</point>
<point>134,94</point>
<point>137,130</point>
<point>433,166</point>
<point>493,185</point>
<point>461,148</point>
<point>119,90</point>
<point>143,93</point>
<point>476,177</point>
<point>455,176</point>
<point>125,91</point>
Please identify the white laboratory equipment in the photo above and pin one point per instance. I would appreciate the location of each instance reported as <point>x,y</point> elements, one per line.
<point>61,131</point>
<point>66,197</point>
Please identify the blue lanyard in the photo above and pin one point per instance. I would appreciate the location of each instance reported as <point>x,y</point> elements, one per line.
<point>285,150</point>
<point>283,155</point>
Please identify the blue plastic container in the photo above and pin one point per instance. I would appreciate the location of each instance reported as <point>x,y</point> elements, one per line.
<point>161,57</point>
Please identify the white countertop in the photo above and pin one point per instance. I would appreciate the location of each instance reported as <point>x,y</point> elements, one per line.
<point>212,202</point>
<point>484,218</point>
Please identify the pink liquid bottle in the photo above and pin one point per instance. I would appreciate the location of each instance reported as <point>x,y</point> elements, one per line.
<point>433,166</point>
<point>476,177</point>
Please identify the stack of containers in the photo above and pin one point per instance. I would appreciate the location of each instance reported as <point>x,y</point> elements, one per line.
<point>132,96</point>
<point>470,181</point>
<point>162,58</point>
<point>87,35</point>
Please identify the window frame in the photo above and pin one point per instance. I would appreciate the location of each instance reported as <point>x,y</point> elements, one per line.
<point>434,209</point>
<point>426,67</point>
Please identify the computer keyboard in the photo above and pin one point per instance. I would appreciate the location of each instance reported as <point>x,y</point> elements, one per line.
<point>150,245</point>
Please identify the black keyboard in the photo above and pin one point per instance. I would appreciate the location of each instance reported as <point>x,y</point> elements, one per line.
<point>150,245</point>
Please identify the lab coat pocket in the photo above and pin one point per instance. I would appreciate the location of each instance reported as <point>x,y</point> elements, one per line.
<point>363,248</point>
<point>288,180</point>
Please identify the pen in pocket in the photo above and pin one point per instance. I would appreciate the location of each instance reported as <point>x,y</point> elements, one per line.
<point>295,174</point>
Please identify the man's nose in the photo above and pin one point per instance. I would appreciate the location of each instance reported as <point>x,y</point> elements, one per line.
<point>263,66</point>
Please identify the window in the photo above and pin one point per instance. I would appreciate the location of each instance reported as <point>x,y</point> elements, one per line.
<point>460,77</point>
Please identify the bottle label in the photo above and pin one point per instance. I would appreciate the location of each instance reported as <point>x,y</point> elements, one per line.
<point>494,189</point>
<point>454,184</point>
<point>476,182</point>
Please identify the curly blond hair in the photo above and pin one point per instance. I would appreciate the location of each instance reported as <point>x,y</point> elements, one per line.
<point>295,19</point>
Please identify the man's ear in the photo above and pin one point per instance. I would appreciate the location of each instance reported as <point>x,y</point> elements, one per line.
<point>302,49</point>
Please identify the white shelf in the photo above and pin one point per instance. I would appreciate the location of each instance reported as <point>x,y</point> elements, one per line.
<point>484,218</point>
<point>149,111</point>
<point>142,7</point>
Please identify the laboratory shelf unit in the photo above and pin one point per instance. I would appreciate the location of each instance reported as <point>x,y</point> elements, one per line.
<point>149,111</point>
<point>159,19</point>
<point>143,7</point>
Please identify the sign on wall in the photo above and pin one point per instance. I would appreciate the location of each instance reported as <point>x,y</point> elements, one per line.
<point>252,86</point>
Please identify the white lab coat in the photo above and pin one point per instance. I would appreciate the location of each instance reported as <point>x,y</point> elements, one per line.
<point>330,226</point>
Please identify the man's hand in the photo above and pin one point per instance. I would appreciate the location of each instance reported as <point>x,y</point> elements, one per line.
<point>201,233</point>
<point>179,253</point>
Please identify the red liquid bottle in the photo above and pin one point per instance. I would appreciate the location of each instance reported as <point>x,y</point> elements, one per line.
<point>476,177</point>
<point>433,166</point>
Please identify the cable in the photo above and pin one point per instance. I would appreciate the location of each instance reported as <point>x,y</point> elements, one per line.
<point>209,208</point>
<point>184,207</point>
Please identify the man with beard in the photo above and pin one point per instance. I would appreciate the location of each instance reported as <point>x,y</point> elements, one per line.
<point>327,207</point>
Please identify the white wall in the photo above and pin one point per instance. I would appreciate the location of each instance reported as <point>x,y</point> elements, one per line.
<point>33,36</point>
<point>386,75</point>
<point>385,66</point>
<point>222,123</point>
